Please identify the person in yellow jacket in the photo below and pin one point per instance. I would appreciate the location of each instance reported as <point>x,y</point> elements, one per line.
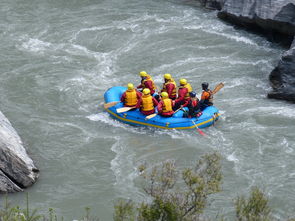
<point>147,102</point>
<point>147,82</point>
<point>169,86</point>
<point>165,106</point>
<point>131,96</point>
<point>183,94</point>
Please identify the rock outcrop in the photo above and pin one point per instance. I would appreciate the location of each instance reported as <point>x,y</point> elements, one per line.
<point>17,170</point>
<point>213,4</point>
<point>283,77</point>
<point>276,20</point>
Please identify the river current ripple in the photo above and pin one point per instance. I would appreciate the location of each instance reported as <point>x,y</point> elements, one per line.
<point>57,59</point>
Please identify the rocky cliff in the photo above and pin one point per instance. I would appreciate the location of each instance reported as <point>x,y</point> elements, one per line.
<point>276,20</point>
<point>17,170</point>
<point>283,77</point>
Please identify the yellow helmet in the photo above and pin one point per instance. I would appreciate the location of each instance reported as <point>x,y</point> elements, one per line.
<point>183,81</point>
<point>146,91</point>
<point>130,86</point>
<point>143,74</point>
<point>164,95</point>
<point>167,76</point>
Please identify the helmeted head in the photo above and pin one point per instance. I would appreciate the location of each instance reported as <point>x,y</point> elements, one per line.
<point>146,91</point>
<point>183,81</point>
<point>143,74</point>
<point>167,76</point>
<point>205,86</point>
<point>192,94</point>
<point>130,86</point>
<point>164,95</point>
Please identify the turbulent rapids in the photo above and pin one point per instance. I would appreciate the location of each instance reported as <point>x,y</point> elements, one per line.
<point>60,57</point>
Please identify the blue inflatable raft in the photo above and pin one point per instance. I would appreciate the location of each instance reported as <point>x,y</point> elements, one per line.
<point>134,117</point>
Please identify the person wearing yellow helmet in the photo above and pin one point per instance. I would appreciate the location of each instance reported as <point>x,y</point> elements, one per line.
<point>146,82</point>
<point>131,96</point>
<point>183,93</point>
<point>147,102</point>
<point>169,86</point>
<point>165,106</point>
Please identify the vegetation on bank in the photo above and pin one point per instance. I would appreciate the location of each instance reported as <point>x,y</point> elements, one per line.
<point>172,196</point>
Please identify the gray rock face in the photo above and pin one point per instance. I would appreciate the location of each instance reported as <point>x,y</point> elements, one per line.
<point>274,18</point>
<point>213,4</point>
<point>283,77</point>
<point>17,170</point>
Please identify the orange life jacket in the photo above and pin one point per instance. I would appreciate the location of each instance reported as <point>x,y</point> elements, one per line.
<point>147,103</point>
<point>189,89</point>
<point>167,105</point>
<point>148,78</point>
<point>173,94</point>
<point>207,96</point>
<point>131,98</point>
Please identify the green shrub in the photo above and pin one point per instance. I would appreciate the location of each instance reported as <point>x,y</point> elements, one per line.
<point>173,196</point>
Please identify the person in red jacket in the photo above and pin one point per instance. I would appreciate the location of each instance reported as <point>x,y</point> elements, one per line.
<point>146,82</point>
<point>131,96</point>
<point>169,86</point>
<point>147,102</point>
<point>165,106</point>
<point>193,106</point>
<point>183,94</point>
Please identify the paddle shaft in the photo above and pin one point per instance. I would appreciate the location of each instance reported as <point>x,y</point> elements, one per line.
<point>110,104</point>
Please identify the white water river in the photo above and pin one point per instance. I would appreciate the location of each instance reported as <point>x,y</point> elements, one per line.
<point>57,59</point>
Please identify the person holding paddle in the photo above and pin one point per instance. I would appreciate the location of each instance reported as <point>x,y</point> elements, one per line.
<point>147,82</point>
<point>131,96</point>
<point>147,102</point>
<point>206,97</point>
<point>193,106</point>
<point>165,106</point>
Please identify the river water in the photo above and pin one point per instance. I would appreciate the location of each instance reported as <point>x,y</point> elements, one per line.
<point>57,59</point>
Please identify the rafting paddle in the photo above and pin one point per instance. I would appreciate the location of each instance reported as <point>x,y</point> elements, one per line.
<point>150,116</point>
<point>199,130</point>
<point>217,88</point>
<point>124,109</point>
<point>111,104</point>
<point>153,115</point>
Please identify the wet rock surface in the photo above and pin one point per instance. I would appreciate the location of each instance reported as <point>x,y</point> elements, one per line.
<point>17,170</point>
<point>276,20</point>
<point>283,77</point>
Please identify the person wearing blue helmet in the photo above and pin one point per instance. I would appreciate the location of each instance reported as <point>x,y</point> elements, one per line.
<point>193,106</point>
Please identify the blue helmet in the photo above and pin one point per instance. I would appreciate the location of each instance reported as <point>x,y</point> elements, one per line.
<point>192,94</point>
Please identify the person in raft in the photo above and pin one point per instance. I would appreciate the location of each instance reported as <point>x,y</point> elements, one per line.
<point>146,82</point>
<point>165,106</point>
<point>131,96</point>
<point>193,106</point>
<point>183,94</point>
<point>169,86</point>
<point>147,102</point>
<point>206,97</point>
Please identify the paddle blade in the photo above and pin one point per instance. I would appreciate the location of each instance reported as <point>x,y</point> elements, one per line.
<point>111,104</point>
<point>124,109</point>
<point>217,88</point>
<point>150,116</point>
<point>201,132</point>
